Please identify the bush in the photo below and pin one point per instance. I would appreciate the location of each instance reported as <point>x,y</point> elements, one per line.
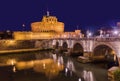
<point>117,75</point>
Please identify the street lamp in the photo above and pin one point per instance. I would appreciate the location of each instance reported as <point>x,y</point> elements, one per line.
<point>101,33</point>
<point>23,27</point>
<point>89,34</point>
<point>115,32</point>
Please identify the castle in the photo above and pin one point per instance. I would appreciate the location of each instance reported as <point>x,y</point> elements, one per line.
<point>48,28</point>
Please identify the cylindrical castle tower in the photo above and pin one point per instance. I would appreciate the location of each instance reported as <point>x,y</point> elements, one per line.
<point>45,29</point>
<point>48,24</point>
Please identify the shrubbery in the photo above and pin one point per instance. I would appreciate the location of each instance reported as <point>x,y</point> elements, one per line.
<point>117,75</point>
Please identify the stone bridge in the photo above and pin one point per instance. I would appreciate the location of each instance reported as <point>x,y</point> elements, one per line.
<point>89,46</point>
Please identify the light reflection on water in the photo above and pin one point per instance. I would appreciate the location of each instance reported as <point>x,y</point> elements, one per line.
<point>46,66</point>
<point>51,65</point>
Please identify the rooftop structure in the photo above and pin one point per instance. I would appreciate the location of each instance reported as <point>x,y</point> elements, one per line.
<point>48,28</point>
<point>48,24</point>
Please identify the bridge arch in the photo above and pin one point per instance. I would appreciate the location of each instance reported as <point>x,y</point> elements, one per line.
<point>64,46</point>
<point>57,45</point>
<point>106,46</point>
<point>78,48</point>
<point>107,53</point>
<point>102,50</point>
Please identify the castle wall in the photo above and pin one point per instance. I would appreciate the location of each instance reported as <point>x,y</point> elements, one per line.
<point>47,27</point>
<point>33,35</point>
<point>16,44</point>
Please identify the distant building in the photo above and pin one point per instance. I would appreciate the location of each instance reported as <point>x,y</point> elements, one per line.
<point>76,34</point>
<point>118,25</point>
<point>6,34</point>
<point>48,28</point>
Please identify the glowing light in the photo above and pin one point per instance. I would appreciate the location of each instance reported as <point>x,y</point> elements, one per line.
<point>66,70</point>
<point>43,65</point>
<point>115,32</point>
<point>58,64</point>
<point>11,62</point>
<point>11,42</point>
<point>74,35</point>
<point>46,66</point>
<point>79,79</point>
<point>23,25</point>
<point>89,34</point>
<point>65,36</point>
<point>14,69</point>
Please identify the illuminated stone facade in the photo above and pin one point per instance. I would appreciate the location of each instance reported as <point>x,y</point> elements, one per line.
<point>33,35</point>
<point>48,24</point>
<point>48,28</point>
<point>76,34</point>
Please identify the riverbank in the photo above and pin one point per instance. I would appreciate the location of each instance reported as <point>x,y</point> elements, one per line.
<point>22,50</point>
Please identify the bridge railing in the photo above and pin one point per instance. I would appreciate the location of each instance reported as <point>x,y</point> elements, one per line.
<point>108,39</point>
<point>92,38</point>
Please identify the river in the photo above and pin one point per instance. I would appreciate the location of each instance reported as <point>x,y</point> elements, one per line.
<point>46,66</point>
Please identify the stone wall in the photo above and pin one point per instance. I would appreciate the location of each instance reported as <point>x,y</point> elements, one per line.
<point>16,44</point>
<point>33,35</point>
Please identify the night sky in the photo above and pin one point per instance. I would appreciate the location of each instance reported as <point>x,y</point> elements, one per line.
<point>86,14</point>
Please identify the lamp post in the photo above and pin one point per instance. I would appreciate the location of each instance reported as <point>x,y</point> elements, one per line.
<point>115,33</point>
<point>88,41</point>
<point>23,27</point>
<point>101,33</point>
<point>89,34</point>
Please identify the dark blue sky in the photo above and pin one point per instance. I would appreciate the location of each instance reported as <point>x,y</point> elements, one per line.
<point>90,14</point>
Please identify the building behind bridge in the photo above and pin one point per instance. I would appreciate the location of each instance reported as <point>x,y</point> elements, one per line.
<point>48,28</point>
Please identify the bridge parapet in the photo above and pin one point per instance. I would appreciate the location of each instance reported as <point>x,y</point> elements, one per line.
<point>89,44</point>
<point>108,39</point>
<point>92,38</point>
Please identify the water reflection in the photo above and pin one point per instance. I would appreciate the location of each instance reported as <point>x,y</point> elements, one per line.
<point>88,75</point>
<point>54,56</point>
<point>45,66</point>
<point>14,69</point>
<point>24,65</point>
<point>70,68</point>
<point>36,66</point>
<point>70,65</point>
<point>79,79</point>
<point>11,61</point>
